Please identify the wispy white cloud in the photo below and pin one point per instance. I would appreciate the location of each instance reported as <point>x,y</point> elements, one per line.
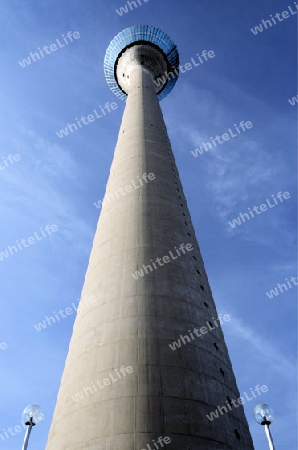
<point>235,174</point>
<point>267,353</point>
<point>285,268</point>
<point>242,172</point>
<point>34,189</point>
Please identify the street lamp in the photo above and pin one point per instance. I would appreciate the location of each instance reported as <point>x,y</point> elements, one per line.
<point>32,414</point>
<point>264,416</point>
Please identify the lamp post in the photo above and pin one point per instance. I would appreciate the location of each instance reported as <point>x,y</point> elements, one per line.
<point>32,414</point>
<point>263,414</point>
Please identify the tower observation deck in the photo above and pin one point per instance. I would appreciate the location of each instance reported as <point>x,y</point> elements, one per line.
<point>146,46</point>
<point>147,361</point>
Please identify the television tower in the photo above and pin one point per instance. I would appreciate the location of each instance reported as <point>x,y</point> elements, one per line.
<point>125,385</point>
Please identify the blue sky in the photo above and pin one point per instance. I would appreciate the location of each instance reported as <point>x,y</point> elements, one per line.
<point>56,181</point>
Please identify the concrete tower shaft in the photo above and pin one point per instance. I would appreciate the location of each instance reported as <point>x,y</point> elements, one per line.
<point>135,317</point>
<point>133,321</point>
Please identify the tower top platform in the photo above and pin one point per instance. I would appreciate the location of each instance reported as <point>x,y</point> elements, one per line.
<point>141,45</point>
